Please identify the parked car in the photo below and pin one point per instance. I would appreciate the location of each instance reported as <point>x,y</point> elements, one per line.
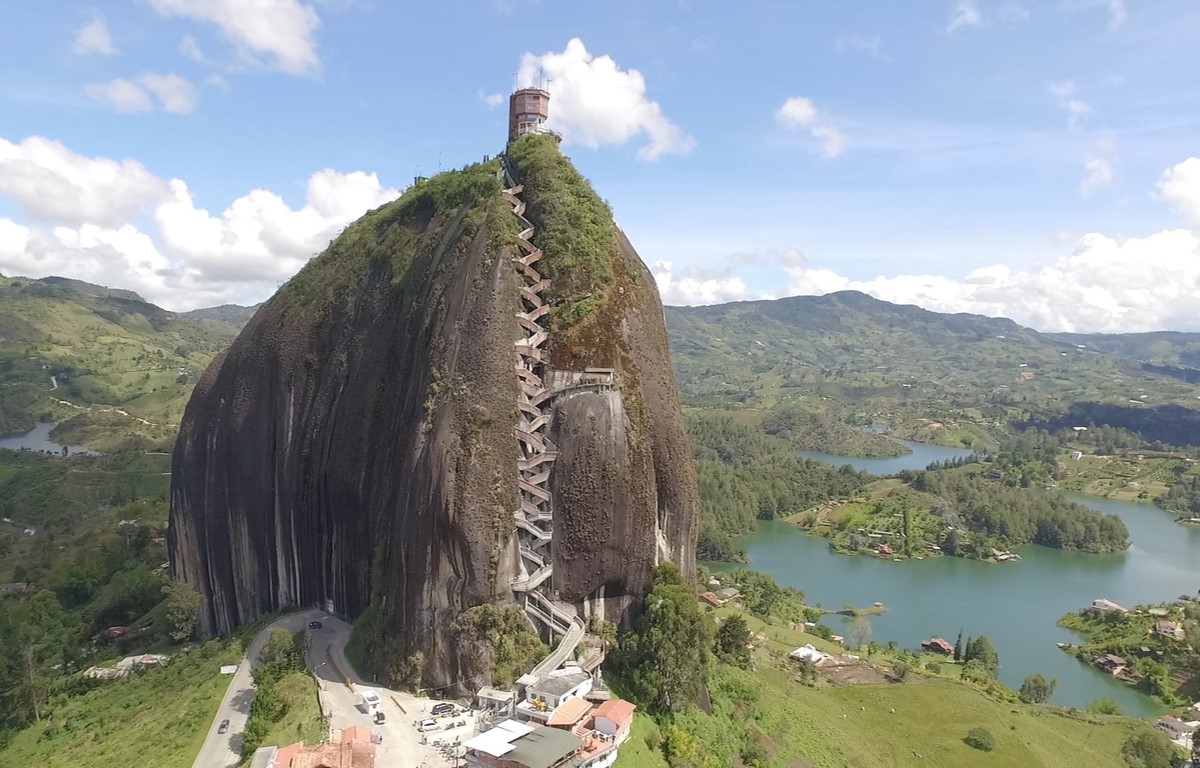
<point>379,718</point>
<point>314,625</point>
<point>428,725</point>
<point>444,708</point>
<point>223,727</point>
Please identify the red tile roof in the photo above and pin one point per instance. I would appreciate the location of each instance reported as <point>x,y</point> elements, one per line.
<point>711,599</point>
<point>617,710</point>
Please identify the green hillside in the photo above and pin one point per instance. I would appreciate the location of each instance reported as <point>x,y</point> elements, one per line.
<point>114,370</point>
<point>951,379</point>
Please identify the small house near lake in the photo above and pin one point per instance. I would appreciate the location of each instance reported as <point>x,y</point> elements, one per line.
<point>1112,664</point>
<point>728,593</point>
<point>1177,729</point>
<point>1101,606</point>
<point>937,645</point>
<point>712,599</point>
<point>808,653</point>
<point>1169,629</point>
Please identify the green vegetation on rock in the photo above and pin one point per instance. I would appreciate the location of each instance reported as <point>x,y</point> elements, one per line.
<point>574,229</point>
<point>503,633</point>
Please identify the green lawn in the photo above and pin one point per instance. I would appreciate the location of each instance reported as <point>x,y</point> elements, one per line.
<point>302,722</point>
<point>767,716</point>
<point>157,718</point>
<point>636,753</point>
<point>856,727</point>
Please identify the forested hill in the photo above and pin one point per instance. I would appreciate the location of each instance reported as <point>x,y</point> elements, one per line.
<point>113,369</point>
<point>873,361</point>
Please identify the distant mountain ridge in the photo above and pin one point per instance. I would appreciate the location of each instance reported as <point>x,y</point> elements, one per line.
<point>876,362</point>
<point>113,369</point>
<point>234,315</point>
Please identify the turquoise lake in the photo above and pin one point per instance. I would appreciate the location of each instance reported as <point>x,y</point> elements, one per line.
<point>1015,604</point>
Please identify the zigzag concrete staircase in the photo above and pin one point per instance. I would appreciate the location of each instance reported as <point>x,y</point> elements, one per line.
<point>534,520</point>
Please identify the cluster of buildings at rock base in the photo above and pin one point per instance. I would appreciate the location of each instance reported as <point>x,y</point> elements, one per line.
<point>352,747</point>
<point>563,722</point>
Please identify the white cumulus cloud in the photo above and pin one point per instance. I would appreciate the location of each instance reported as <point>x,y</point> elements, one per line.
<point>594,102</point>
<point>800,113</point>
<point>694,285</point>
<point>1180,187</point>
<point>88,221</point>
<point>53,183</point>
<point>280,33</point>
<point>173,92</point>
<point>122,95</point>
<point>94,38</point>
<point>1101,284</point>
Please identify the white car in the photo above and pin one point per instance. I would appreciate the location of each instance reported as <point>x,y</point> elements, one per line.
<point>428,725</point>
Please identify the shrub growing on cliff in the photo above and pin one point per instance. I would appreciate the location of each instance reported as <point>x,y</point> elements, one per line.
<point>664,658</point>
<point>503,631</point>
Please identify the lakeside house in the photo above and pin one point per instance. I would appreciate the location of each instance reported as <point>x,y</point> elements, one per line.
<point>808,653</point>
<point>1171,630</point>
<point>728,594</point>
<point>1178,731</point>
<point>938,645</point>
<point>1101,606</point>
<point>712,599</point>
<point>884,551</point>
<point>1112,664</point>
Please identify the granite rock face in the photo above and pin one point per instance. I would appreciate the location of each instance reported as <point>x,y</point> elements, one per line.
<point>355,446</point>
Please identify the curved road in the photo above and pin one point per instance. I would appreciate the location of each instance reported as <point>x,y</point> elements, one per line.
<point>223,750</point>
<point>337,681</point>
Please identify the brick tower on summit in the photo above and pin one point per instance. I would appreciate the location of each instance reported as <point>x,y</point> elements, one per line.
<point>528,110</point>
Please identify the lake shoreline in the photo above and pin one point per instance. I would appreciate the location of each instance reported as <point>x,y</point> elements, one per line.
<point>1017,608</point>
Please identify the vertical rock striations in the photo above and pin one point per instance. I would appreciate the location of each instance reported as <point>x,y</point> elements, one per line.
<point>355,446</point>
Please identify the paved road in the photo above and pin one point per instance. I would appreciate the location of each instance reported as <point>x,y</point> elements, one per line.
<point>223,750</point>
<point>401,744</point>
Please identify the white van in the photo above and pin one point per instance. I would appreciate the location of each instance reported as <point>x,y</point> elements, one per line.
<point>369,701</point>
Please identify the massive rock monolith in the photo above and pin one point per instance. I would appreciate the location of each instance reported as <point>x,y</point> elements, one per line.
<point>355,447</point>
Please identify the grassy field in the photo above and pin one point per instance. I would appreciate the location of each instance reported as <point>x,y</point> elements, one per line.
<point>158,717</point>
<point>856,726</point>
<point>303,719</point>
<point>1126,477</point>
<point>921,722</point>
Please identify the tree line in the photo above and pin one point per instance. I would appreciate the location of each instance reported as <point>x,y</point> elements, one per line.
<point>745,475</point>
<point>1013,516</point>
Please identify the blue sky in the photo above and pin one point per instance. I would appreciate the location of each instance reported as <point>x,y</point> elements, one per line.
<point>1035,159</point>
